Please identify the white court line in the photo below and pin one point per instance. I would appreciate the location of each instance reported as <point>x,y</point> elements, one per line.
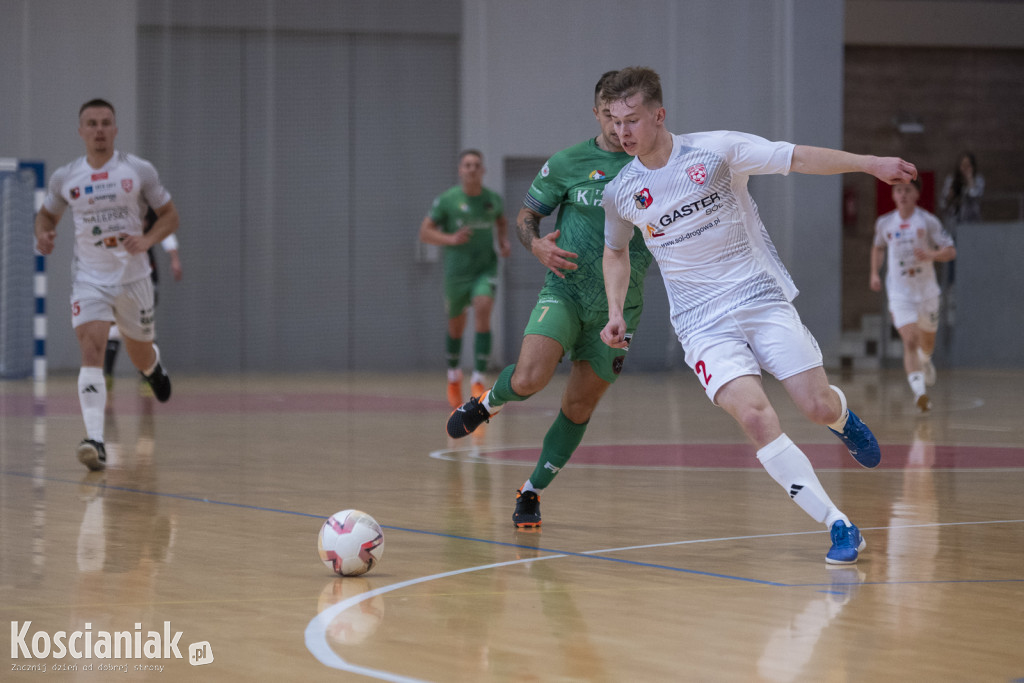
<point>981,428</point>
<point>476,455</point>
<point>316,630</point>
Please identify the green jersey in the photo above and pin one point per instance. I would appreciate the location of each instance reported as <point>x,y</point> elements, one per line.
<point>454,209</point>
<point>574,179</point>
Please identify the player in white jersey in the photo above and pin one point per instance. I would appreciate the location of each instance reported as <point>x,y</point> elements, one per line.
<point>108,192</point>
<point>915,240</point>
<point>729,293</point>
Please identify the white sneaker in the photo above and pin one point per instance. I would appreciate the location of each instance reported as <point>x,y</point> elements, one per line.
<point>927,367</point>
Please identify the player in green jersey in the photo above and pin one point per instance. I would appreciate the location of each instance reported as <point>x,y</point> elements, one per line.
<point>464,219</point>
<point>571,308</point>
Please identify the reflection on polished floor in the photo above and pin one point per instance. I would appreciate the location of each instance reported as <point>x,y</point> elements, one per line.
<point>667,553</point>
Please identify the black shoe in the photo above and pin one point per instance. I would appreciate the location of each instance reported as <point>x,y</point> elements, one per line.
<point>467,417</point>
<point>160,383</point>
<point>527,512</point>
<point>92,454</point>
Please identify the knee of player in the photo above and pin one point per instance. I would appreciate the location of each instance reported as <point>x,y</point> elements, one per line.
<point>911,337</point>
<point>758,420</point>
<point>529,379</point>
<point>823,408</point>
<point>579,408</point>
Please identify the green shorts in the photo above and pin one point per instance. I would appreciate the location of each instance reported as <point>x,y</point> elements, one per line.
<point>579,331</point>
<point>459,292</point>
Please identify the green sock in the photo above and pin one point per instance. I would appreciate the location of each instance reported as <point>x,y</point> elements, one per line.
<point>560,443</point>
<point>453,350</point>
<point>481,351</point>
<point>501,392</point>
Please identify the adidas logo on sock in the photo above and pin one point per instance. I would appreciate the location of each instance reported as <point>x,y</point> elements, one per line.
<point>795,489</point>
<point>91,389</point>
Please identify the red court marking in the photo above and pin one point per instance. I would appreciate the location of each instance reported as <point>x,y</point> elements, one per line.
<point>67,404</point>
<point>742,456</point>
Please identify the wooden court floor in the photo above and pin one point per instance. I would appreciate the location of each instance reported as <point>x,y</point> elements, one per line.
<point>667,553</point>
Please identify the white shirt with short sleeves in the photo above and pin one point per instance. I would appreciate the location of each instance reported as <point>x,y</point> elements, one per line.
<point>701,224</point>
<point>908,278</point>
<point>107,204</point>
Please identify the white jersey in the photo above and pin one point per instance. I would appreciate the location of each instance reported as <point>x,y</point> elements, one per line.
<point>107,204</point>
<point>907,277</point>
<point>701,224</point>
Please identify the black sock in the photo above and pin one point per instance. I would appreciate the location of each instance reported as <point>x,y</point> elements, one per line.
<point>110,356</point>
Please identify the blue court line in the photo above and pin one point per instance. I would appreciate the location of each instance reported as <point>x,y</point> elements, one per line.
<point>592,556</point>
<point>177,496</point>
<point>198,499</point>
<point>589,554</point>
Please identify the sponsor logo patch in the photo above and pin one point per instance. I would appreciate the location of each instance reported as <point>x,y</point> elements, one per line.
<point>697,173</point>
<point>643,198</point>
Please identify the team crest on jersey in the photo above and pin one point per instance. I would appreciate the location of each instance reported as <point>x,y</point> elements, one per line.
<point>597,175</point>
<point>654,232</point>
<point>643,198</point>
<point>75,193</point>
<point>544,171</point>
<point>126,184</point>
<point>697,173</point>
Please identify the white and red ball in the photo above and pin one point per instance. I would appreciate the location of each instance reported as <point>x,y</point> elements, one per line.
<point>350,543</point>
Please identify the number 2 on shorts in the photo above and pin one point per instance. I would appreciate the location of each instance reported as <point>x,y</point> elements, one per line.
<point>702,372</point>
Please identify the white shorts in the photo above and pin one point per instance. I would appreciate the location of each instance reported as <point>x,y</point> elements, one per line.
<point>766,335</point>
<point>924,313</point>
<point>129,305</point>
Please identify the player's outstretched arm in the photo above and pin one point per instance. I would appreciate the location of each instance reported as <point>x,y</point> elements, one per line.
<point>824,161</point>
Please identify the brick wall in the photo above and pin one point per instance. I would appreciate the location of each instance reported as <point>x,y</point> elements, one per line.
<point>965,98</point>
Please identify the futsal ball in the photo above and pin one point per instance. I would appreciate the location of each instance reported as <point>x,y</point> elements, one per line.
<point>350,542</point>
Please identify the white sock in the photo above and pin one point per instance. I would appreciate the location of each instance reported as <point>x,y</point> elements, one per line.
<point>788,465</point>
<point>156,362</point>
<point>839,424</point>
<point>454,375</point>
<point>485,401</point>
<point>478,378</point>
<point>528,486</point>
<point>92,396</point>
<point>916,382</point>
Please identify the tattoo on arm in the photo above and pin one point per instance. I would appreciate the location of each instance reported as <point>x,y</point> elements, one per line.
<point>528,228</point>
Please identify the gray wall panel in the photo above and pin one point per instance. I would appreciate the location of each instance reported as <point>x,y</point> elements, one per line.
<point>404,141</point>
<point>989,319</point>
<point>301,178</point>
<point>190,109</point>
